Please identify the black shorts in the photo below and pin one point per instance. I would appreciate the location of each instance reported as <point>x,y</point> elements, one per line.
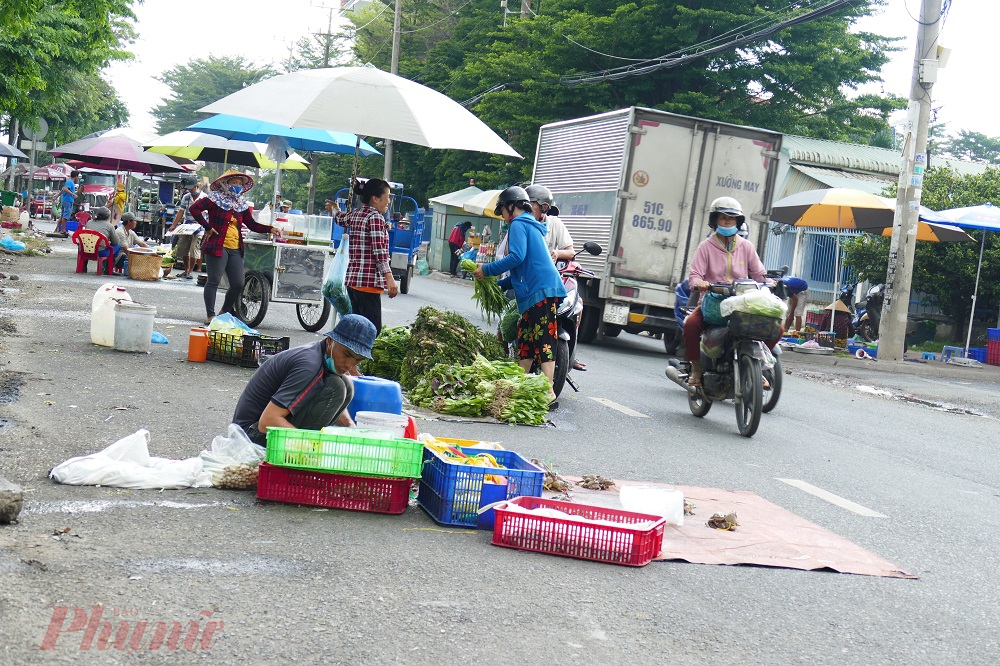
<point>538,332</point>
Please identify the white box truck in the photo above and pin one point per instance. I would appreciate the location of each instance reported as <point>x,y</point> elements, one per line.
<point>639,182</point>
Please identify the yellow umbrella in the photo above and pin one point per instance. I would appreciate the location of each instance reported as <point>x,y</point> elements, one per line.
<point>483,204</point>
<point>211,148</point>
<point>935,233</point>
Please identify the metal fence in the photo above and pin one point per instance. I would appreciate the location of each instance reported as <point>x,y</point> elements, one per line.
<point>818,261</point>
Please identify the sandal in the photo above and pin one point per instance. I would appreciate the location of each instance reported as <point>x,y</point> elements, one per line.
<point>694,379</point>
<point>553,405</point>
<point>577,365</point>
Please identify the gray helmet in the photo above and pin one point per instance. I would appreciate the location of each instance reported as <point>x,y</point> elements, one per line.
<point>512,195</point>
<point>187,182</point>
<point>539,194</point>
<point>727,205</point>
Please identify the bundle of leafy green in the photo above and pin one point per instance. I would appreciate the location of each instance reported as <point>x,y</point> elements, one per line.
<point>499,389</point>
<point>487,293</point>
<point>388,353</point>
<point>444,337</point>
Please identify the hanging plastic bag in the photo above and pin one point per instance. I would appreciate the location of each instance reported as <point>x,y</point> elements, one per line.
<point>334,287</point>
<point>759,302</point>
<point>470,254</point>
<point>713,342</point>
<point>711,309</point>
<point>233,461</point>
<point>423,268</point>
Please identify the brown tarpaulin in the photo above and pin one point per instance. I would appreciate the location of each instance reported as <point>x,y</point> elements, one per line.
<point>768,535</point>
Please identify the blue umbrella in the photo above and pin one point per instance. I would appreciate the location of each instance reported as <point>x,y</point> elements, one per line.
<point>986,217</point>
<point>246,129</point>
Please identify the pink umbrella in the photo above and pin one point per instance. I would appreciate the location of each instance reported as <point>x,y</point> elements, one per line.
<point>117,153</point>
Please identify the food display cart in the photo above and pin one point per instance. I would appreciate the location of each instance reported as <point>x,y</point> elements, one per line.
<point>285,273</point>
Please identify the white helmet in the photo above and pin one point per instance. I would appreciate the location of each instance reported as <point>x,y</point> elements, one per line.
<point>727,205</point>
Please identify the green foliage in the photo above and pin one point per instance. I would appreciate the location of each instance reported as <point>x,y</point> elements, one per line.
<point>201,82</point>
<point>801,80</point>
<point>51,53</point>
<point>388,353</point>
<point>443,337</point>
<point>975,147</point>
<point>944,270</point>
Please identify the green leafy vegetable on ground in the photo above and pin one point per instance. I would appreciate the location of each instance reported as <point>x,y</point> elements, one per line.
<point>444,337</point>
<point>388,353</point>
<point>487,293</point>
<point>499,389</point>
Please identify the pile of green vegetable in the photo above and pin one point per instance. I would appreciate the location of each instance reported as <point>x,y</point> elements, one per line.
<point>487,293</point>
<point>388,353</point>
<point>499,389</point>
<point>444,337</point>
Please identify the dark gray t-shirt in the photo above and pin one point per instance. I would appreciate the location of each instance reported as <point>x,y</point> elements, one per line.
<point>286,379</point>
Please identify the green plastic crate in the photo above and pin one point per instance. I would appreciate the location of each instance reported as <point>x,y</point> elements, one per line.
<point>347,454</point>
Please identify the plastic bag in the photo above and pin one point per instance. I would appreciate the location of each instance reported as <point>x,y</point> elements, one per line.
<point>230,325</point>
<point>759,302</point>
<point>470,254</point>
<point>711,309</point>
<point>159,338</point>
<point>127,464</point>
<point>233,461</point>
<point>334,289</point>
<point>9,243</point>
<point>713,341</point>
<point>423,268</point>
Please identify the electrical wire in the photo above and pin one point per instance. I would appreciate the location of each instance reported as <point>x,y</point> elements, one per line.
<point>356,30</point>
<point>698,51</point>
<point>431,25</point>
<point>942,14</point>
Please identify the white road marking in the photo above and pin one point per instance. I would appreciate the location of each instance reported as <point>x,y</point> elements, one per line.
<point>833,499</point>
<point>621,408</point>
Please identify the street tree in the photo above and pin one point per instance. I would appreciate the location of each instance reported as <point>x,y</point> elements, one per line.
<point>974,146</point>
<point>800,79</point>
<point>201,82</point>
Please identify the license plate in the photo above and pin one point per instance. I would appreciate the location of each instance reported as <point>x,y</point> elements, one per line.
<point>616,313</point>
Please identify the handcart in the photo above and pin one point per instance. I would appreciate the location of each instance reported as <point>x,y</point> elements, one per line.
<point>285,273</point>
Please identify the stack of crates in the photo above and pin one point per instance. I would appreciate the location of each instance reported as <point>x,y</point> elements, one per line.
<point>993,346</point>
<point>357,471</point>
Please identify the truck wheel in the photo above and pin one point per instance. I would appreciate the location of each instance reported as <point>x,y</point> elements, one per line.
<point>589,323</point>
<point>611,330</point>
<point>673,342</point>
<point>404,282</point>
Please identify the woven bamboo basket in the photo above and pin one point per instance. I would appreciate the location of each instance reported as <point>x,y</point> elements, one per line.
<point>143,266</point>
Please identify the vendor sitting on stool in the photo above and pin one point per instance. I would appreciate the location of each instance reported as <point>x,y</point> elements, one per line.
<point>307,387</point>
<point>102,224</point>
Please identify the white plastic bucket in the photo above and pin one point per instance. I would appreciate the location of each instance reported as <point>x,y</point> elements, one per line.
<point>395,423</point>
<point>102,313</point>
<point>134,327</point>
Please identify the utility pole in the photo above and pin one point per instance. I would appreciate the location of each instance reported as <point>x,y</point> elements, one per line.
<point>892,329</point>
<point>313,157</point>
<point>393,69</point>
<point>526,9</point>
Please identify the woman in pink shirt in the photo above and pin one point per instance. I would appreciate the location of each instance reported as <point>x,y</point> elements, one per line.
<point>722,257</point>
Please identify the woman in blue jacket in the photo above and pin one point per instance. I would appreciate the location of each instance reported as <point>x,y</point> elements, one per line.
<point>534,279</point>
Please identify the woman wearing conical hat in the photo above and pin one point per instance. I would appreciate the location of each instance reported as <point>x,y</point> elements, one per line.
<point>224,213</point>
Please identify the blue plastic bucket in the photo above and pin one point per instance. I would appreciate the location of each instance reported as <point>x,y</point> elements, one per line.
<point>374,394</point>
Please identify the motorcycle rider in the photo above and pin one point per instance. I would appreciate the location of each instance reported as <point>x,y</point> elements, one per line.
<point>535,280</point>
<point>725,256</point>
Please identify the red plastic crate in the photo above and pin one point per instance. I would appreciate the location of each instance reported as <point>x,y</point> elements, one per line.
<point>993,352</point>
<point>334,491</point>
<point>624,544</point>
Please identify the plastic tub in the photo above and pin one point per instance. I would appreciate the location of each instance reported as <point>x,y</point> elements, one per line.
<point>394,423</point>
<point>374,394</point>
<point>102,313</point>
<point>134,327</point>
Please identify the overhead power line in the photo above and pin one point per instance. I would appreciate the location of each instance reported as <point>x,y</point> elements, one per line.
<point>701,50</point>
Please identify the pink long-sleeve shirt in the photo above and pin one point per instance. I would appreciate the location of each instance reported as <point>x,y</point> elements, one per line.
<point>714,263</point>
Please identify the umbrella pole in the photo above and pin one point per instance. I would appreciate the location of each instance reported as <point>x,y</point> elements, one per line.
<point>972,317</point>
<point>354,174</point>
<point>836,273</point>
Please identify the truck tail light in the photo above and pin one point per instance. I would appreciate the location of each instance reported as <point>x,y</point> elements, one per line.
<point>627,292</point>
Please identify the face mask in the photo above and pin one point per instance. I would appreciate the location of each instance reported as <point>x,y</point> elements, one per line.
<point>726,231</point>
<point>235,189</point>
<point>328,362</point>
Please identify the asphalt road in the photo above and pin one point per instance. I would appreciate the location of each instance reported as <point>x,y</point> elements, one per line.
<point>298,585</point>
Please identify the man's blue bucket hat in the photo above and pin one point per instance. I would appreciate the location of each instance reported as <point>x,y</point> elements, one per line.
<point>356,333</point>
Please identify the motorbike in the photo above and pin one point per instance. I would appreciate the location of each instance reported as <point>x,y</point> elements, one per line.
<point>868,315</point>
<point>737,371</point>
<point>567,318</point>
<point>773,374</point>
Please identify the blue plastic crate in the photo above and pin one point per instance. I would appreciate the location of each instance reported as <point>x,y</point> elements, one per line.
<point>993,335</point>
<point>452,493</point>
<point>977,354</point>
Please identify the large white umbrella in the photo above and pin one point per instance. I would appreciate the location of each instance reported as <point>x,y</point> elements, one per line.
<point>367,101</point>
